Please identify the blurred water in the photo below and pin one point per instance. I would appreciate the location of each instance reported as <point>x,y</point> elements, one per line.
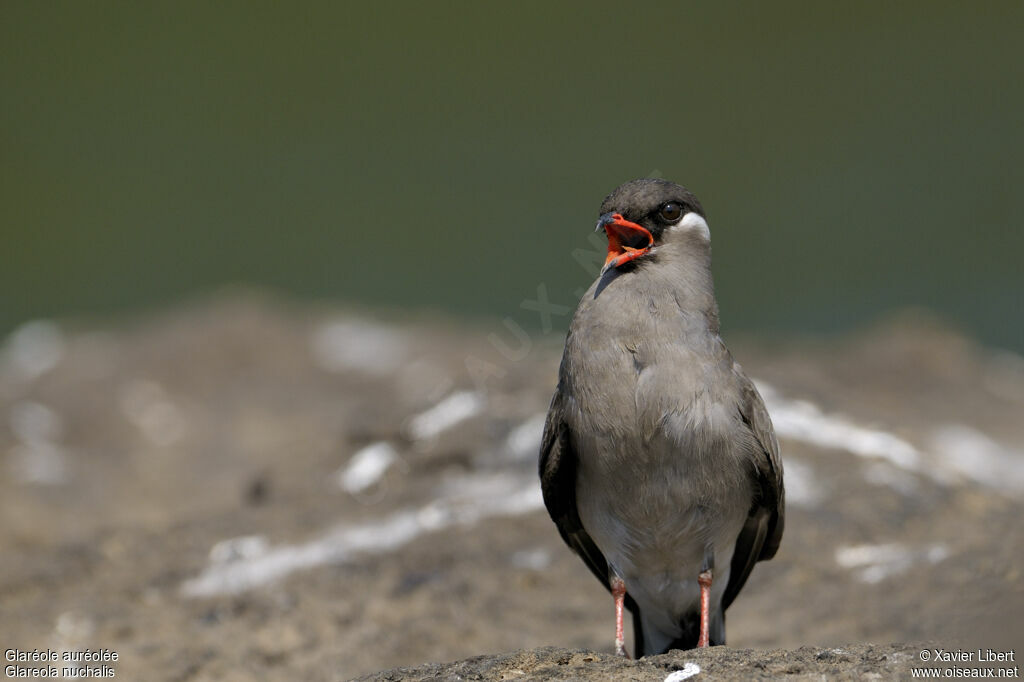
<point>852,157</point>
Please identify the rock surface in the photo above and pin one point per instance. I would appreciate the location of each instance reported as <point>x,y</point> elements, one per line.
<point>243,489</point>
<point>863,661</point>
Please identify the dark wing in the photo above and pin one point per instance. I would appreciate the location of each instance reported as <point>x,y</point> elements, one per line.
<point>762,533</point>
<point>558,484</point>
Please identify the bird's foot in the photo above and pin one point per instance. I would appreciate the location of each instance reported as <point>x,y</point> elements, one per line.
<point>704,580</point>
<point>619,592</point>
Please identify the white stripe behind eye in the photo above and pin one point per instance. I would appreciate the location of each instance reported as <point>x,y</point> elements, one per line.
<point>693,221</point>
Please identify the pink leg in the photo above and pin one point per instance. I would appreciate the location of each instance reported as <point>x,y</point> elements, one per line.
<point>704,580</point>
<point>619,592</point>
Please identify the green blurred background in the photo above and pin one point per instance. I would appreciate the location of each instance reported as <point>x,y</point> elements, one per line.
<point>853,157</point>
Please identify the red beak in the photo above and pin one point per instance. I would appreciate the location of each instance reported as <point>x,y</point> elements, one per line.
<point>626,241</point>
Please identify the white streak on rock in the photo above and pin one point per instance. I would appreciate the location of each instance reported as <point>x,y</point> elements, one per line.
<point>957,451</point>
<point>690,669</point>
<point>524,440</point>
<point>536,559</point>
<point>884,474</point>
<point>245,574</point>
<point>366,467</point>
<point>361,345</point>
<point>239,549</point>
<point>875,563</point>
<point>33,349</point>
<point>455,408</point>
<point>804,421</point>
<point>803,488</point>
<point>72,631</point>
<point>464,500</point>
<point>976,456</point>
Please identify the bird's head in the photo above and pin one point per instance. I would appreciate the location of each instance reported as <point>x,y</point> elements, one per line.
<point>642,214</point>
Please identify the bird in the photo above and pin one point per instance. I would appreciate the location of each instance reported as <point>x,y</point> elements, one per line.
<point>658,463</point>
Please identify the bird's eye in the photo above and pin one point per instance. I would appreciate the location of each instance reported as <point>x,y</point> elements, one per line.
<point>670,212</point>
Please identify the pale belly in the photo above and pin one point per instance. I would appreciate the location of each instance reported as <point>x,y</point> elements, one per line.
<point>654,510</point>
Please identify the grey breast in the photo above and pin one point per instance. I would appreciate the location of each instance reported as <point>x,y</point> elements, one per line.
<point>663,471</point>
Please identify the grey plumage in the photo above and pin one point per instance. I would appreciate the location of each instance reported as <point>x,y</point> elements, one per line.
<point>658,456</point>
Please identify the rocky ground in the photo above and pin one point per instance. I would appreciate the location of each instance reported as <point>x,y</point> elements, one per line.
<point>245,489</point>
<point>857,662</point>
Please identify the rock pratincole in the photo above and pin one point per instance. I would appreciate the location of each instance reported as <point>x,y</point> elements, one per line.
<point>659,464</point>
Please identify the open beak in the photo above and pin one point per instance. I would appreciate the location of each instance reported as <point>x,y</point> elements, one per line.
<point>626,241</point>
